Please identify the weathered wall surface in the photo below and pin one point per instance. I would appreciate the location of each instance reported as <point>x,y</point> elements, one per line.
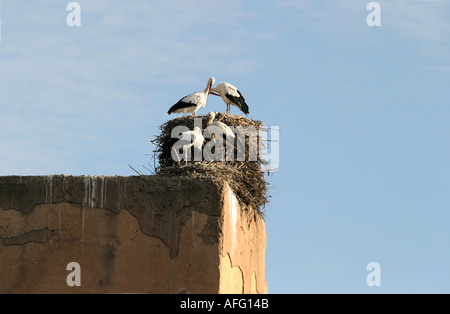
<point>242,249</point>
<point>146,234</point>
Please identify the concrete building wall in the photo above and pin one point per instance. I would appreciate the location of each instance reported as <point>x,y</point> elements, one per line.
<point>145,234</point>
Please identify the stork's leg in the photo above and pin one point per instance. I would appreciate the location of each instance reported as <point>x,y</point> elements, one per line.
<point>224,153</point>
<point>178,155</point>
<point>224,156</point>
<point>228,108</point>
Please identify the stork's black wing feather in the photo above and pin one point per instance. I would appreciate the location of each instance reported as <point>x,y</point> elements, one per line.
<point>171,144</point>
<point>239,101</point>
<point>168,145</point>
<point>241,95</point>
<point>180,105</point>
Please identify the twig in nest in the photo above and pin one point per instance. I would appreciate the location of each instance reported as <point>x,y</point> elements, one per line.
<point>139,173</point>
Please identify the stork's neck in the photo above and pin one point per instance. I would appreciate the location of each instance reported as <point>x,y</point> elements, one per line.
<point>207,122</point>
<point>207,89</point>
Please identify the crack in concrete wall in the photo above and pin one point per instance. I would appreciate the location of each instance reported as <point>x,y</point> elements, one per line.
<point>35,236</point>
<point>161,204</point>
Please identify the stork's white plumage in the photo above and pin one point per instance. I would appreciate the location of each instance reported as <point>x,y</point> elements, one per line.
<point>219,132</point>
<point>187,140</point>
<point>224,129</point>
<point>192,102</point>
<point>231,96</point>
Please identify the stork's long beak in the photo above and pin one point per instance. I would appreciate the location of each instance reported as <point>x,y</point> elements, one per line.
<point>214,93</point>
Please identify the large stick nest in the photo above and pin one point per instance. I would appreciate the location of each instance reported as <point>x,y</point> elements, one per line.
<point>246,178</point>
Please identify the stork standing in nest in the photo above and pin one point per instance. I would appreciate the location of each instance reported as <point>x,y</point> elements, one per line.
<point>192,102</point>
<point>216,127</point>
<point>187,140</point>
<point>231,96</point>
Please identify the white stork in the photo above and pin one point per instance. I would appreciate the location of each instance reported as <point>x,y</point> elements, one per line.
<point>192,102</point>
<point>231,96</point>
<point>225,129</point>
<point>187,140</point>
<point>217,128</point>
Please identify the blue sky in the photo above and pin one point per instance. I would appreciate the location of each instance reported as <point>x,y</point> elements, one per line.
<point>363,111</point>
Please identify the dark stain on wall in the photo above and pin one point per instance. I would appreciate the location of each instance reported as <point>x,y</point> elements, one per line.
<point>161,204</point>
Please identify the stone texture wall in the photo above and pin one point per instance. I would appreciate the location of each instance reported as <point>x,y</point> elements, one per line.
<point>144,234</point>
